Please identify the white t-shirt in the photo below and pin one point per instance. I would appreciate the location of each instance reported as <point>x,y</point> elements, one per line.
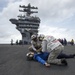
<point>49,43</point>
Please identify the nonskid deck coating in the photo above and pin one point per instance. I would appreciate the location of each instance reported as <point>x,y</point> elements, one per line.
<point>13,62</point>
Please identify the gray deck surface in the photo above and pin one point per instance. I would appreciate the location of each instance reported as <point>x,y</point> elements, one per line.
<point>13,62</point>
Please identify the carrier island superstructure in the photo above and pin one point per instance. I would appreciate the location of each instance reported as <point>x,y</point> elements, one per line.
<point>26,23</point>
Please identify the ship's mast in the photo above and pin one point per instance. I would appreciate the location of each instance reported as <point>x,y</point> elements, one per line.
<point>27,9</point>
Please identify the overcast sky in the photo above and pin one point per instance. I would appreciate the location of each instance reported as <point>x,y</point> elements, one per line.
<point>57,18</point>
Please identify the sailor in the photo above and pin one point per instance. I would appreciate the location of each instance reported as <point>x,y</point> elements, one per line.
<point>53,46</point>
<point>35,45</point>
<point>42,58</point>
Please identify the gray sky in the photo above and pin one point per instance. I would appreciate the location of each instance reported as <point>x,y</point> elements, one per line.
<point>57,18</point>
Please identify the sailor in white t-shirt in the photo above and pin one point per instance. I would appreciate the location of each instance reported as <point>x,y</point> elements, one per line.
<point>52,45</point>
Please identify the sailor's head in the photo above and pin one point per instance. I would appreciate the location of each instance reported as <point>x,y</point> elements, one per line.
<point>41,37</point>
<point>30,55</point>
<point>34,37</point>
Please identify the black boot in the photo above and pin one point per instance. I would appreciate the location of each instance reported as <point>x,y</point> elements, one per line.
<point>74,55</point>
<point>64,62</point>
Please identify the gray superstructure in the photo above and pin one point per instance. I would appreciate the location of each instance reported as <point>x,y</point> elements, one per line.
<point>27,24</point>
